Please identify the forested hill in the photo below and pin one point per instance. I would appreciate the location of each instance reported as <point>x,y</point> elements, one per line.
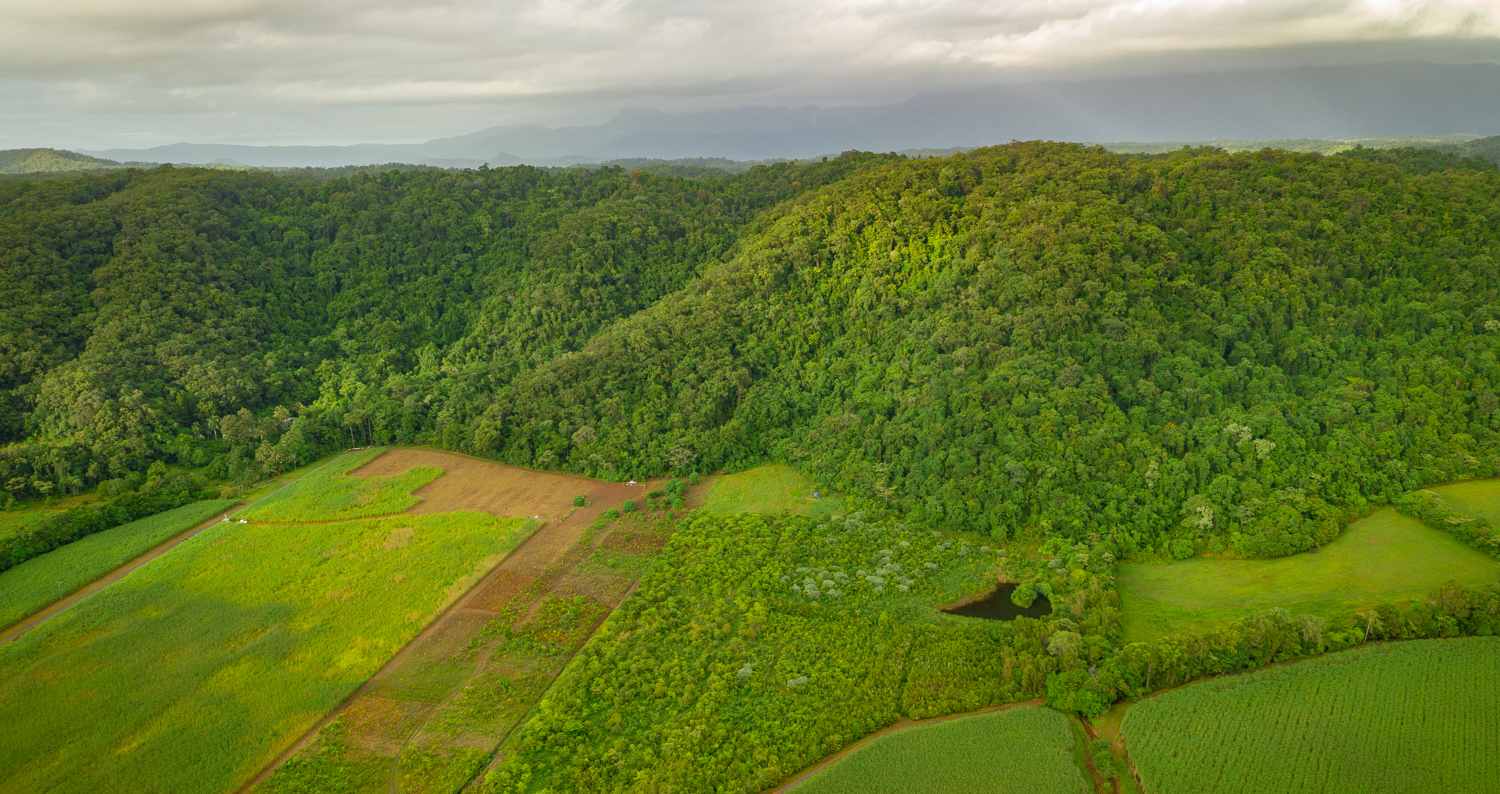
<point>1185,351</point>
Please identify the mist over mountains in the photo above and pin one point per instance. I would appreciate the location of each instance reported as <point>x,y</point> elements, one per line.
<point>1364,101</point>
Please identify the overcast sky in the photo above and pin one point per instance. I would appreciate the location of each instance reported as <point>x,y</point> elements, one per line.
<point>106,73</point>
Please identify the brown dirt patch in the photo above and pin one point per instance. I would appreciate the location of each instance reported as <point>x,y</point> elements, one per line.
<point>452,634</point>
<point>499,592</point>
<point>607,590</point>
<point>495,488</point>
<point>379,725</point>
<point>630,540</point>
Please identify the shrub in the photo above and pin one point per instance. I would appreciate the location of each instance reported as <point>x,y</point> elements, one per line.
<point>629,506</point>
<point>579,501</point>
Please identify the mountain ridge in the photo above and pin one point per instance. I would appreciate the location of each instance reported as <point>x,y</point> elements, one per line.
<point>1410,98</point>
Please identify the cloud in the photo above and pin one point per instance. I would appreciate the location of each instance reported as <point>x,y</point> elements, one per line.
<point>251,66</point>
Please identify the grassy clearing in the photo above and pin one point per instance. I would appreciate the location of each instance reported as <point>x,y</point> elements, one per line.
<point>1418,716</point>
<point>769,489</point>
<point>24,515</point>
<point>1478,498</point>
<point>37,582</point>
<point>14,522</point>
<point>329,493</point>
<point>1385,557</point>
<point>1025,750</point>
<point>194,671</point>
<point>608,562</point>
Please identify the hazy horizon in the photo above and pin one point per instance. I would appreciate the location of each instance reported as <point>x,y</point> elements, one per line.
<point>88,75</point>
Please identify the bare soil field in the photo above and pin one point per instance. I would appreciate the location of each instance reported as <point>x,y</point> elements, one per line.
<point>495,488</point>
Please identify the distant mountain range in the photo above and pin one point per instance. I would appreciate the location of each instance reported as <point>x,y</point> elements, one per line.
<point>1333,102</point>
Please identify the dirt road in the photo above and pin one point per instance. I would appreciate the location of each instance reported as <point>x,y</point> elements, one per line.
<point>108,579</point>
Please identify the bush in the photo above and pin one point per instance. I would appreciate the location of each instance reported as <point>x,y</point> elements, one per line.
<point>630,505</point>
<point>578,501</point>
<point>1105,762</point>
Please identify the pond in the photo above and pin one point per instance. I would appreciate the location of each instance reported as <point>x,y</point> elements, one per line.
<point>998,606</point>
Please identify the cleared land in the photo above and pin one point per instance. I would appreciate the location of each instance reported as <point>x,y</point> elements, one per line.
<point>195,671</point>
<point>769,489</point>
<point>1478,498</point>
<point>1021,750</point>
<point>1407,717</point>
<point>42,580</point>
<point>495,488</point>
<point>1384,557</point>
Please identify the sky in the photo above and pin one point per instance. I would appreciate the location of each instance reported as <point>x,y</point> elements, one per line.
<point>133,73</point>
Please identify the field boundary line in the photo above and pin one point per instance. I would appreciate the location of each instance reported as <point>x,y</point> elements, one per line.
<point>14,631</point>
<point>900,725</point>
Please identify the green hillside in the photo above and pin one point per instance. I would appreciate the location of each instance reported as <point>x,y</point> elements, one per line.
<point>1486,148</point>
<point>1196,351</point>
<point>31,161</point>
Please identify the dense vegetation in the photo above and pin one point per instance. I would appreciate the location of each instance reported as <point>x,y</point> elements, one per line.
<point>1018,751</point>
<point>1185,352</point>
<point>239,323</point>
<point>28,161</point>
<point>1416,716</point>
<point>757,645</point>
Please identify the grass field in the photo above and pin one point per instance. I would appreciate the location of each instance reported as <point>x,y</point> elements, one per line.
<point>1409,717</point>
<point>329,493</point>
<point>1478,498</point>
<point>196,670</point>
<point>1385,557</point>
<point>769,489</point>
<point>1022,751</point>
<point>38,582</point>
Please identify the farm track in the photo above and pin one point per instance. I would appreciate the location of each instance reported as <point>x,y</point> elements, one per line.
<point>57,607</point>
<point>896,727</point>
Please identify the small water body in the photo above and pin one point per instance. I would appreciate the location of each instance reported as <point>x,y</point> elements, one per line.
<point>998,606</point>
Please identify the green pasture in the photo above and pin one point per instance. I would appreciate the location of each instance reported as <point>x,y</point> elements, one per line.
<point>329,493</point>
<point>1478,498</point>
<point>1384,557</point>
<point>1416,717</point>
<point>196,670</point>
<point>38,582</point>
<point>769,489</point>
<point>1025,750</point>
